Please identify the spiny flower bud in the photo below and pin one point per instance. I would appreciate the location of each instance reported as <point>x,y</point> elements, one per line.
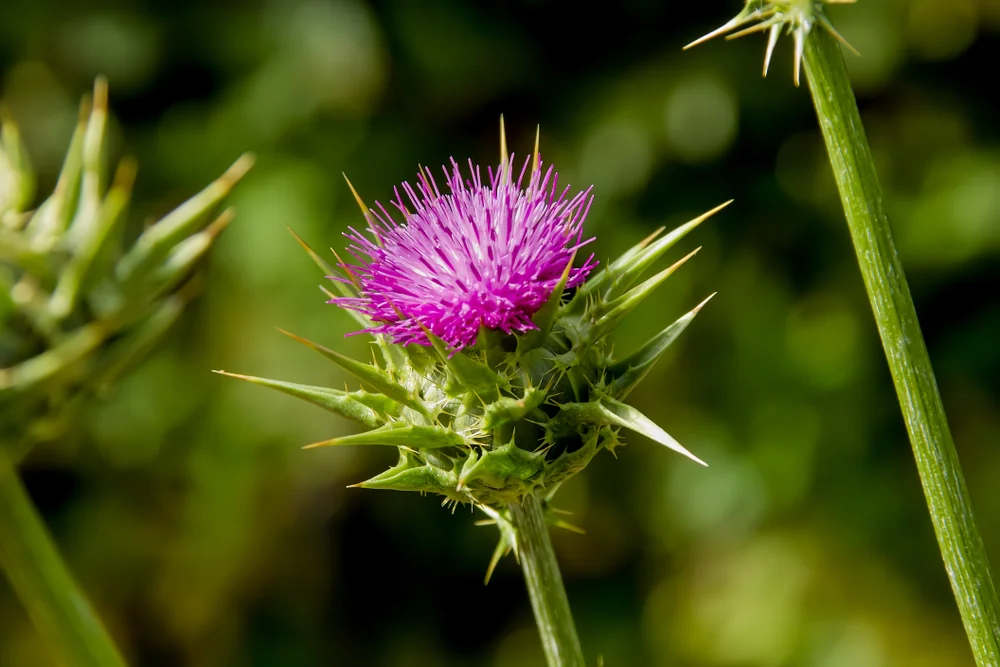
<point>496,380</point>
<point>796,17</point>
<point>77,305</point>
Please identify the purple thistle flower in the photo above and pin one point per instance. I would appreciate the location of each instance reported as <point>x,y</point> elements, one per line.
<point>479,255</point>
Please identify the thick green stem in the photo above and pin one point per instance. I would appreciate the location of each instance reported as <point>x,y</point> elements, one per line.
<point>937,461</point>
<point>545,585</point>
<point>60,612</point>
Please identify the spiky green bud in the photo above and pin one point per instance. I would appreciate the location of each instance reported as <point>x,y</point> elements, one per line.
<point>77,305</point>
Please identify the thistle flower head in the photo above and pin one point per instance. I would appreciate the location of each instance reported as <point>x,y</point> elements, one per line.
<point>795,17</point>
<point>486,420</point>
<point>482,254</point>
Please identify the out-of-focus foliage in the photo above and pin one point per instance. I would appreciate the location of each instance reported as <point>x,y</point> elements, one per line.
<point>207,538</point>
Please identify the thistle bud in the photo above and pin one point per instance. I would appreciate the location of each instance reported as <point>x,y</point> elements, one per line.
<point>496,377</point>
<point>78,308</point>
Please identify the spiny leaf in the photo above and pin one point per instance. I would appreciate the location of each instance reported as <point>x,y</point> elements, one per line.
<point>610,314</point>
<point>634,420</point>
<point>333,400</point>
<point>623,376</point>
<point>372,376</point>
<point>401,434</point>
<point>410,474</point>
<point>606,410</point>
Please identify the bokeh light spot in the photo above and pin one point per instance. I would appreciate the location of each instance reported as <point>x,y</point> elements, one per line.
<point>700,119</point>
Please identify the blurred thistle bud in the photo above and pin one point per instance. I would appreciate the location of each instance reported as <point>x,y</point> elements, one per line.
<point>794,17</point>
<point>78,306</point>
<point>496,377</point>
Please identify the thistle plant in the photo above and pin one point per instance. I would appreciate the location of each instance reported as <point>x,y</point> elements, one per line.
<point>496,381</point>
<point>78,307</point>
<point>850,157</point>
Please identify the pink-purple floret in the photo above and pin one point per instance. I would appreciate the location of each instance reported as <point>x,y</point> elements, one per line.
<point>481,255</point>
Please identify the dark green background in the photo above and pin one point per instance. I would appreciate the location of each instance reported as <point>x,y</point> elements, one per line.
<point>207,538</point>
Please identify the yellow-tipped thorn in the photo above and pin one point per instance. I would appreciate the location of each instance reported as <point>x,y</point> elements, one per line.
<point>535,160</point>
<point>325,443</point>
<point>676,265</point>
<point>652,237</point>
<point>346,269</point>
<point>357,197</point>
<point>100,104</point>
<point>705,216</point>
<point>237,170</point>
<point>221,222</point>
<point>697,309</point>
<point>503,143</point>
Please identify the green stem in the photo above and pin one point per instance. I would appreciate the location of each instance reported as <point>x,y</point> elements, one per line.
<point>57,607</point>
<point>937,461</point>
<point>545,585</point>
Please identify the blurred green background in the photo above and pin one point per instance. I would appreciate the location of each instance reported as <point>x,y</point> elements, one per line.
<point>207,538</point>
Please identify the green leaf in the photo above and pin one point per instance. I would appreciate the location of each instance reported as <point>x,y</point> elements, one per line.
<point>343,403</point>
<point>623,376</point>
<point>401,434</point>
<point>370,375</point>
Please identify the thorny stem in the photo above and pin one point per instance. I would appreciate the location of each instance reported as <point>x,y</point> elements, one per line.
<point>63,616</point>
<point>545,585</point>
<point>937,461</point>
